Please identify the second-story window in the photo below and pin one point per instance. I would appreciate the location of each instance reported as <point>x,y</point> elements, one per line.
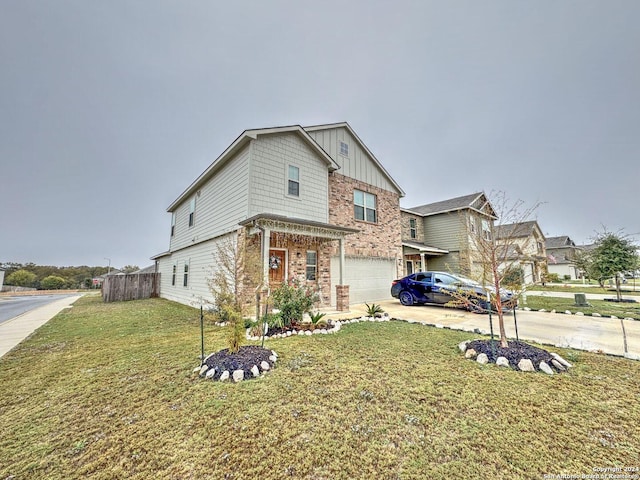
<point>413,230</point>
<point>486,229</point>
<point>192,212</point>
<point>293,184</point>
<point>472,224</point>
<point>173,223</point>
<point>364,205</point>
<point>344,149</point>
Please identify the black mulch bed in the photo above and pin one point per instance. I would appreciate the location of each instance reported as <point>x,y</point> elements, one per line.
<point>514,353</point>
<point>247,357</point>
<point>622,300</point>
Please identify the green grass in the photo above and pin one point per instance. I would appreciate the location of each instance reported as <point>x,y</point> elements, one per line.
<point>626,289</point>
<point>621,310</point>
<point>105,391</point>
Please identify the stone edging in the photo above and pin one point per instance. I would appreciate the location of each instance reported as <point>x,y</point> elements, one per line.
<point>236,375</point>
<point>524,365</point>
<point>337,325</point>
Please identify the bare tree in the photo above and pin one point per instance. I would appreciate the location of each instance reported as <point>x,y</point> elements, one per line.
<point>495,262</point>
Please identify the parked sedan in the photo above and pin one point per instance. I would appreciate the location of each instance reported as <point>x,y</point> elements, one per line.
<point>440,288</point>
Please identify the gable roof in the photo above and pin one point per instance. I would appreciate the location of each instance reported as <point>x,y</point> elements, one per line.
<point>345,125</point>
<point>559,242</point>
<point>244,138</point>
<point>475,201</point>
<point>516,230</point>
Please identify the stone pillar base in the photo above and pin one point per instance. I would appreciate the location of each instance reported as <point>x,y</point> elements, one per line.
<point>342,298</point>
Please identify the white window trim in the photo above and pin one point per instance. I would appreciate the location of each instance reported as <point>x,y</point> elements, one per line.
<point>340,144</point>
<point>307,265</point>
<point>364,206</point>
<point>286,183</point>
<point>192,212</point>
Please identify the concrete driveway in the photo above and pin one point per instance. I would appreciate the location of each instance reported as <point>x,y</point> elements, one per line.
<point>579,332</point>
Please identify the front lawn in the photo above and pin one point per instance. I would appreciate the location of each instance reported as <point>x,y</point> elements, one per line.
<point>106,391</point>
<point>621,310</point>
<point>626,289</point>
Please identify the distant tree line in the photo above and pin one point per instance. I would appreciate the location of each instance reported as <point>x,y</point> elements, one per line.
<point>47,277</point>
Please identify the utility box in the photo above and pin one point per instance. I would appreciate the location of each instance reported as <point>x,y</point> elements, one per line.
<point>581,300</point>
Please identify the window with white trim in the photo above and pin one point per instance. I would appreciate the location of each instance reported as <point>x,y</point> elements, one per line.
<point>173,223</point>
<point>364,205</point>
<point>312,264</point>
<point>192,212</point>
<point>413,229</point>
<point>472,224</point>
<point>344,149</point>
<point>486,229</point>
<point>293,184</point>
<point>173,275</point>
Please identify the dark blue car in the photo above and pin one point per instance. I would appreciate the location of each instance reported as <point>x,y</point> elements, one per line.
<point>440,288</point>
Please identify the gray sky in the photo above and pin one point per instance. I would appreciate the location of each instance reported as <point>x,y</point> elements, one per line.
<point>109,110</point>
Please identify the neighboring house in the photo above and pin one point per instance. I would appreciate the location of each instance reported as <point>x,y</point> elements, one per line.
<point>441,235</point>
<point>561,253</point>
<point>525,246</point>
<point>313,202</point>
<point>149,269</point>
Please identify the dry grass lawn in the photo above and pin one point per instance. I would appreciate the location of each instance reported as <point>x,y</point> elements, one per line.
<point>105,391</point>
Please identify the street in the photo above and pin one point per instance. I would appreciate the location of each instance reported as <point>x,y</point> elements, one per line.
<point>11,307</point>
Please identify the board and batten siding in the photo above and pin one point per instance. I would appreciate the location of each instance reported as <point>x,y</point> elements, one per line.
<point>357,164</point>
<point>220,205</point>
<point>202,265</point>
<point>268,188</point>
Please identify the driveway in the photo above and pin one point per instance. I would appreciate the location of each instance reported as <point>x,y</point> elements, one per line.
<point>579,332</point>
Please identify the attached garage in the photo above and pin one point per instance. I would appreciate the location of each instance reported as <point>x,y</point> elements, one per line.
<point>369,278</point>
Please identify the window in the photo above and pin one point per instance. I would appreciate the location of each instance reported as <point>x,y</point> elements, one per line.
<point>312,264</point>
<point>293,187</point>
<point>192,212</point>
<point>472,224</point>
<point>486,230</point>
<point>344,149</point>
<point>173,276</point>
<point>365,206</point>
<point>412,228</point>
<point>173,223</point>
<point>540,247</point>
<point>185,280</point>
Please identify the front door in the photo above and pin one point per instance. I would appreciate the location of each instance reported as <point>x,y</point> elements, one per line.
<point>277,265</point>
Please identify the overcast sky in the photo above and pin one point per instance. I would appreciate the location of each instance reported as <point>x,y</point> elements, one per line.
<point>110,109</point>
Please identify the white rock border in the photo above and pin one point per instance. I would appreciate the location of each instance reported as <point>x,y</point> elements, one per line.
<point>237,375</point>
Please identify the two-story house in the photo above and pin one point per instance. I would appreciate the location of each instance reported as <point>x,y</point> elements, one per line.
<point>314,201</point>
<point>525,246</point>
<point>561,253</point>
<point>444,235</point>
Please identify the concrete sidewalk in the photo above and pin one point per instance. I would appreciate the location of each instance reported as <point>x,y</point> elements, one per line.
<point>14,331</point>
<point>566,331</point>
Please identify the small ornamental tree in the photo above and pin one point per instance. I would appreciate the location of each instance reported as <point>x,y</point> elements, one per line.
<point>612,256</point>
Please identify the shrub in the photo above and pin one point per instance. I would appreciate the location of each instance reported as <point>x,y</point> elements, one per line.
<point>235,329</point>
<point>373,309</point>
<point>317,317</point>
<point>294,299</point>
<point>53,282</point>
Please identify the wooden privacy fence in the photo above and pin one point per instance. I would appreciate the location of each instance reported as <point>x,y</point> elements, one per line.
<point>118,288</point>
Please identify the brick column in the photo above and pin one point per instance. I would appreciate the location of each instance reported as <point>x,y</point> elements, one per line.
<point>342,298</point>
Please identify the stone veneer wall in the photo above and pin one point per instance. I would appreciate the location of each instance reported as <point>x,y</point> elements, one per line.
<point>381,239</point>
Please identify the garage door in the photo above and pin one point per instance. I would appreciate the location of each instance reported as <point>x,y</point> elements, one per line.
<point>369,278</point>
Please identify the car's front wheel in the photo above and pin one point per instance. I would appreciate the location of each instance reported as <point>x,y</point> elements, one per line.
<point>406,298</point>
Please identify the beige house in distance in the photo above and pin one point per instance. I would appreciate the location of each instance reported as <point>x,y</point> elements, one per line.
<point>313,202</point>
<point>525,246</point>
<point>561,252</point>
<point>440,236</point>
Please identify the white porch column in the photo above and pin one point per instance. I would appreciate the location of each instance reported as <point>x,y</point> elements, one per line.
<point>423,265</point>
<point>266,244</point>
<point>341,242</point>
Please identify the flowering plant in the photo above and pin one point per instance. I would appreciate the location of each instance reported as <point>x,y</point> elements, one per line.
<point>294,298</point>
